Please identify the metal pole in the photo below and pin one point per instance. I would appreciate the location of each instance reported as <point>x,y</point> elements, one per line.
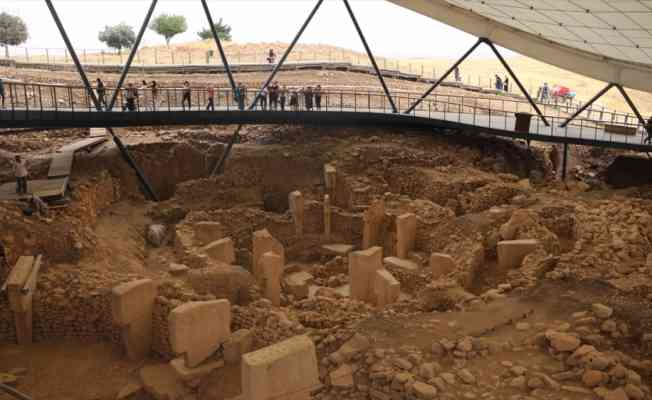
<point>87,84</point>
<point>13,392</point>
<point>622,91</point>
<point>219,167</point>
<point>132,54</point>
<point>443,77</point>
<point>286,54</point>
<point>587,105</point>
<point>564,163</point>
<point>371,55</point>
<point>219,45</point>
<point>518,82</point>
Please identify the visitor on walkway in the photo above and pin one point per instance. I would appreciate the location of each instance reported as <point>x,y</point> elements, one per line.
<point>458,76</point>
<point>20,172</point>
<point>186,96</point>
<point>283,95</point>
<point>318,97</point>
<point>499,83</point>
<point>294,100</point>
<point>273,96</point>
<point>262,99</point>
<point>506,84</point>
<point>648,130</point>
<point>211,99</point>
<point>101,93</point>
<point>271,57</point>
<point>241,96</point>
<point>2,92</point>
<point>308,98</point>
<point>131,97</point>
<point>154,88</point>
<point>144,88</point>
<point>545,92</point>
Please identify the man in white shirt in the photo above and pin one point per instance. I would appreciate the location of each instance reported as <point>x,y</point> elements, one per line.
<point>20,171</point>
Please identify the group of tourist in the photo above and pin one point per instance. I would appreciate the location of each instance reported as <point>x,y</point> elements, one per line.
<point>502,84</point>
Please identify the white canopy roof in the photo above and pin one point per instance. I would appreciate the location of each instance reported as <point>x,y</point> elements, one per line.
<point>609,40</point>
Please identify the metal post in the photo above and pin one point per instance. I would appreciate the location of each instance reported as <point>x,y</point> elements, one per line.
<point>286,54</point>
<point>219,167</point>
<point>515,78</point>
<point>629,101</point>
<point>564,163</point>
<point>87,84</point>
<point>13,392</point>
<point>132,54</point>
<point>371,55</point>
<point>219,45</point>
<point>443,77</point>
<point>587,105</point>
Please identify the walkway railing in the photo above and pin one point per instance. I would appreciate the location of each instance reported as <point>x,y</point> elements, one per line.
<point>486,112</point>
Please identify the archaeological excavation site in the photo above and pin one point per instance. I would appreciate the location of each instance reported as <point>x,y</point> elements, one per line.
<point>318,255</point>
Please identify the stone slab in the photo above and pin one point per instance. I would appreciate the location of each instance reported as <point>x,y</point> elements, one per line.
<point>285,370</point>
<point>241,342</point>
<point>221,250</point>
<point>132,300</point>
<point>207,231</point>
<point>407,265</point>
<point>363,265</point>
<point>297,208</point>
<point>197,329</point>
<point>338,249</point>
<point>441,265</point>
<point>161,382</point>
<point>186,374</point>
<point>263,242</point>
<point>373,219</point>
<point>512,252</point>
<point>273,270</point>
<point>298,284</point>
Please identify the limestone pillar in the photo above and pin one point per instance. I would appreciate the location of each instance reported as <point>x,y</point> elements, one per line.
<point>198,329</point>
<point>441,265</point>
<point>327,217</point>
<point>20,286</point>
<point>132,305</point>
<point>272,265</point>
<point>373,222</point>
<point>263,242</point>
<point>386,288</point>
<point>406,233</point>
<point>297,207</point>
<point>512,252</point>
<point>221,250</point>
<point>362,269</point>
<point>285,370</point>
<point>330,179</point>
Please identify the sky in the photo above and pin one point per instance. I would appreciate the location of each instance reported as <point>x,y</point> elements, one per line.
<point>391,31</point>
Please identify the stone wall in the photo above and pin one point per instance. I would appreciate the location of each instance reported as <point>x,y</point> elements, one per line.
<point>7,329</point>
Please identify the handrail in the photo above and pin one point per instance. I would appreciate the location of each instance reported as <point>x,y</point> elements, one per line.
<point>13,392</point>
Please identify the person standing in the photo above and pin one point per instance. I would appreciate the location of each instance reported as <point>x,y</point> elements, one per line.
<point>273,96</point>
<point>458,76</point>
<point>648,130</point>
<point>318,97</point>
<point>154,89</point>
<point>2,92</point>
<point>271,57</point>
<point>186,96</point>
<point>294,100</point>
<point>308,98</point>
<point>283,95</point>
<point>131,96</point>
<point>211,99</point>
<point>20,172</point>
<point>144,88</point>
<point>506,84</point>
<point>263,99</point>
<point>499,83</point>
<point>101,93</point>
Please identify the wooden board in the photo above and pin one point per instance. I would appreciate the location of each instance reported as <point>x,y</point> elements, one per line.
<point>41,188</point>
<point>97,132</point>
<point>61,164</point>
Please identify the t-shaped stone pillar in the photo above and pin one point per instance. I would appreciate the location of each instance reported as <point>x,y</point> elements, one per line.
<point>221,250</point>
<point>272,269</point>
<point>327,217</point>
<point>197,329</point>
<point>20,286</point>
<point>362,269</point>
<point>132,305</point>
<point>297,206</point>
<point>373,222</point>
<point>406,233</point>
<point>263,242</point>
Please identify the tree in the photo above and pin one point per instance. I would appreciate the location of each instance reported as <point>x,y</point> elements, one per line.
<point>118,37</point>
<point>13,31</point>
<point>223,31</point>
<point>169,25</point>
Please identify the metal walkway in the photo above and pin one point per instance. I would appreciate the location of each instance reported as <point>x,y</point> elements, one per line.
<point>45,106</point>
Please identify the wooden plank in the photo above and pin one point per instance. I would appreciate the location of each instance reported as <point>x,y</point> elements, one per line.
<point>61,164</point>
<point>42,188</point>
<point>97,132</point>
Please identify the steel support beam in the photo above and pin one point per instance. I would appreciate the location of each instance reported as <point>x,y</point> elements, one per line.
<point>218,42</point>
<point>371,55</point>
<point>443,77</point>
<point>219,167</point>
<point>123,150</point>
<point>629,101</point>
<point>518,82</point>
<point>564,163</point>
<point>587,105</point>
<point>286,54</point>
<point>132,54</point>
<point>13,392</point>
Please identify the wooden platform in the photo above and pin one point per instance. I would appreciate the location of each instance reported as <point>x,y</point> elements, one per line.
<point>47,188</point>
<point>61,165</point>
